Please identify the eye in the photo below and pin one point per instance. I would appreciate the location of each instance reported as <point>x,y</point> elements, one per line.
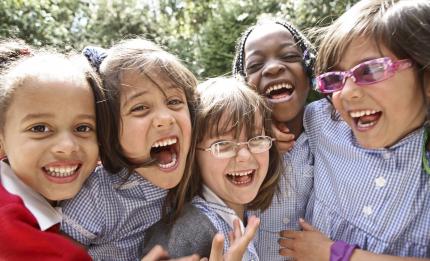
<point>174,101</point>
<point>84,128</point>
<point>40,128</point>
<point>254,67</point>
<point>139,108</point>
<point>292,57</point>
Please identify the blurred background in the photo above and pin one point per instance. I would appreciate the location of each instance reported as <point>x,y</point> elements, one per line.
<point>201,33</point>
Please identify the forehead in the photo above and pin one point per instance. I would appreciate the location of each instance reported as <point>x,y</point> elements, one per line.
<point>151,80</point>
<point>264,34</point>
<point>362,49</point>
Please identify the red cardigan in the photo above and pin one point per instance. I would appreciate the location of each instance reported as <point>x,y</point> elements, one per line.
<point>22,239</point>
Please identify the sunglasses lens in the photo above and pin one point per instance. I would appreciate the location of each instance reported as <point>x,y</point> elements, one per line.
<point>330,82</point>
<point>371,72</point>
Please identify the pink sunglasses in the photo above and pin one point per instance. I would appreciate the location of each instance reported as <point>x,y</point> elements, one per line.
<point>365,73</point>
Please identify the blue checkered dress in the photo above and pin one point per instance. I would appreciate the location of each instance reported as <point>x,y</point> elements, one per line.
<point>110,216</point>
<point>378,199</point>
<point>295,186</point>
<point>210,210</point>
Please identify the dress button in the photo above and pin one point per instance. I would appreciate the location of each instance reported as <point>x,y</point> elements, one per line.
<point>380,182</point>
<point>386,155</point>
<point>286,220</point>
<point>367,210</point>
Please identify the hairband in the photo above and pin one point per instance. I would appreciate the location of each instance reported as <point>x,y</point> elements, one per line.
<point>95,55</point>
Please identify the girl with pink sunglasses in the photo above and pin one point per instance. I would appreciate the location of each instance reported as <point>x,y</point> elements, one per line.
<point>372,180</point>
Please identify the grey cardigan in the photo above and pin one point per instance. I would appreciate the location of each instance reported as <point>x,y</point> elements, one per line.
<point>191,233</point>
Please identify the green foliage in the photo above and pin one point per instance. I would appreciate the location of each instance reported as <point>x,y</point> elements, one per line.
<point>202,33</point>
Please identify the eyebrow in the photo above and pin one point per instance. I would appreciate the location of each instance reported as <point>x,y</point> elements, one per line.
<point>280,47</point>
<point>33,116</point>
<point>134,96</point>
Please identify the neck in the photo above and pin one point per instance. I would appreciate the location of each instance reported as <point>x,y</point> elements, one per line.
<point>238,209</point>
<point>295,125</point>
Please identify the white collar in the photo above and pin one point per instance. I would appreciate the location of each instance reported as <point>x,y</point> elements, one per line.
<point>218,205</point>
<point>45,214</point>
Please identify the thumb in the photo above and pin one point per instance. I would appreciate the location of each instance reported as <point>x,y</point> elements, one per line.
<point>282,127</point>
<point>305,225</point>
<point>217,248</point>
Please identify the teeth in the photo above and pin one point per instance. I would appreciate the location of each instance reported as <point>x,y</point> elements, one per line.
<point>61,171</point>
<point>244,173</point>
<point>358,114</point>
<point>165,142</point>
<point>169,165</point>
<point>278,86</point>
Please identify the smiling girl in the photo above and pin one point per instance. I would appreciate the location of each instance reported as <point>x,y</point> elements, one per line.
<point>48,134</point>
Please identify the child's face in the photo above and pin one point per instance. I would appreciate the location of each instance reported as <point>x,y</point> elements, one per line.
<point>236,180</point>
<point>50,136</point>
<point>382,113</point>
<point>273,65</point>
<point>155,124</point>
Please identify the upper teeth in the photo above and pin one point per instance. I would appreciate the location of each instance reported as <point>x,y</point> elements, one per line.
<point>278,86</point>
<point>357,114</point>
<point>243,173</point>
<point>165,142</point>
<point>61,171</point>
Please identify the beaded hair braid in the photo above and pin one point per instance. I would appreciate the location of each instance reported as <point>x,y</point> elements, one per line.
<point>304,44</point>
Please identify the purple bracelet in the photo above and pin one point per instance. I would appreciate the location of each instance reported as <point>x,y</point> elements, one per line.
<point>341,251</point>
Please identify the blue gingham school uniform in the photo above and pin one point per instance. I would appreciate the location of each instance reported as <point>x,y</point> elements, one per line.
<point>289,204</point>
<point>109,215</point>
<point>222,218</point>
<point>378,199</point>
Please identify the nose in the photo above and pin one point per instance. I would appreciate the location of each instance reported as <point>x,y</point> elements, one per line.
<point>273,67</point>
<point>243,153</point>
<point>66,144</point>
<point>351,91</point>
<point>163,120</point>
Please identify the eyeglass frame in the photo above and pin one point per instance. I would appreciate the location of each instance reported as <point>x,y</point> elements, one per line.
<point>392,67</point>
<point>237,145</point>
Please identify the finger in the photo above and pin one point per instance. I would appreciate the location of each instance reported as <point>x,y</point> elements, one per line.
<point>285,146</point>
<point>287,252</point>
<point>194,257</point>
<point>281,126</point>
<point>289,234</point>
<point>156,253</point>
<point>286,243</point>
<point>231,237</point>
<point>217,248</point>
<point>306,226</point>
<point>237,233</point>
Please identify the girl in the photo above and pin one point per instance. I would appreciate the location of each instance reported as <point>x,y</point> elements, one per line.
<point>235,163</point>
<point>277,61</point>
<point>370,188</point>
<point>145,146</point>
<point>48,133</point>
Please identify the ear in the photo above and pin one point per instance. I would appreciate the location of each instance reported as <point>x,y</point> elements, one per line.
<point>426,83</point>
<point>2,152</point>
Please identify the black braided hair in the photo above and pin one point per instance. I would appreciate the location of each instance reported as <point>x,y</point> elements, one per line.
<point>308,50</point>
<point>95,56</point>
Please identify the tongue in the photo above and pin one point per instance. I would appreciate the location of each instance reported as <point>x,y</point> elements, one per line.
<point>164,156</point>
<point>241,179</point>
<point>369,118</point>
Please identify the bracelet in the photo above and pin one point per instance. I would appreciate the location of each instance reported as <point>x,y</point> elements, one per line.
<point>341,251</point>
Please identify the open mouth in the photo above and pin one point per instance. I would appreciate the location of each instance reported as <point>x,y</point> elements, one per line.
<point>241,178</point>
<point>279,91</point>
<point>62,172</point>
<point>366,118</point>
<point>165,151</point>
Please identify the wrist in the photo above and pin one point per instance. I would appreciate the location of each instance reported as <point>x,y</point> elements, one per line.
<point>341,251</point>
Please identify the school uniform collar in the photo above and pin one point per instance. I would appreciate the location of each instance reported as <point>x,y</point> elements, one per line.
<point>45,214</point>
<point>218,205</point>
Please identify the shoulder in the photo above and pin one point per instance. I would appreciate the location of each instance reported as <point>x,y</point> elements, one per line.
<point>183,237</point>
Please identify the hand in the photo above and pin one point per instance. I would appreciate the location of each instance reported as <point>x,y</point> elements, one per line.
<point>158,253</point>
<point>284,139</point>
<point>238,242</point>
<point>309,244</point>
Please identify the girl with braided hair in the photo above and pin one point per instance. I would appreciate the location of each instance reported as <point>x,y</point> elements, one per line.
<point>277,60</point>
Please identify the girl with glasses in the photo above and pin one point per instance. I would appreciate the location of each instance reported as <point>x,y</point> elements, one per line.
<point>371,189</point>
<point>237,169</point>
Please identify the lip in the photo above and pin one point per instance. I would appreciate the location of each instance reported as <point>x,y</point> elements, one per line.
<point>63,164</point>
<point>354,121</point>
